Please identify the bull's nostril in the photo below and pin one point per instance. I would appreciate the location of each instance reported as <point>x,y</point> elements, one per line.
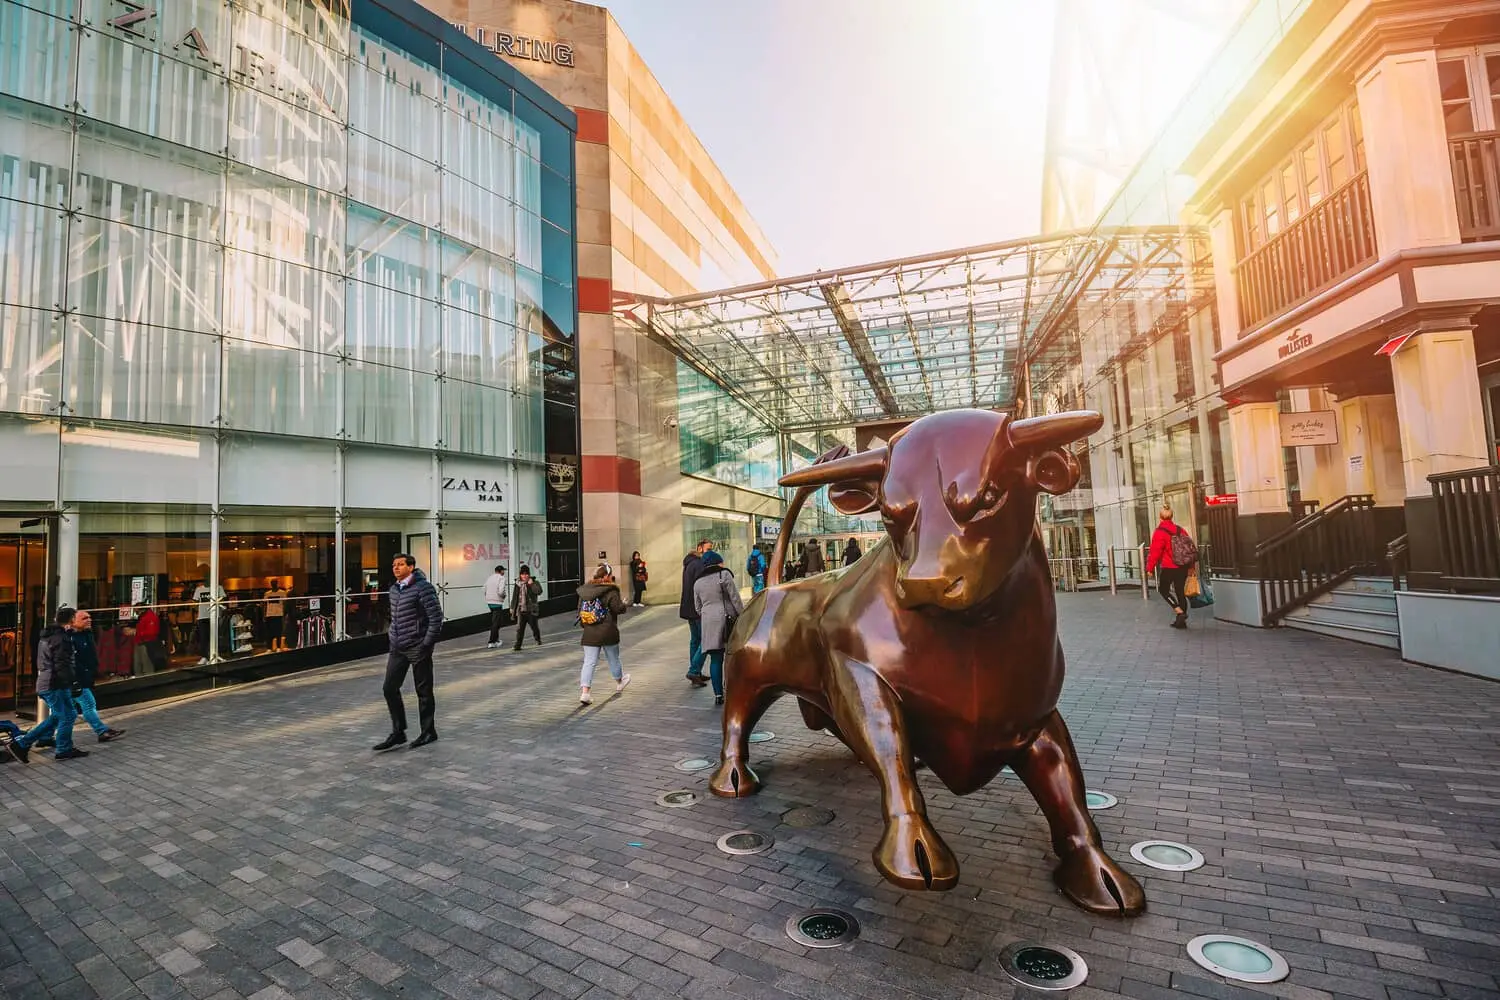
<point>954,588</point>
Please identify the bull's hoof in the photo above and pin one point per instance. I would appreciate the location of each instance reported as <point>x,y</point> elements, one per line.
<point>1092,880</point>
<point>913,856</point>
<point>733,780</point>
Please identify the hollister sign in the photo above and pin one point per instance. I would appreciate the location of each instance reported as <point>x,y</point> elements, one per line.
<point>1296,343</point>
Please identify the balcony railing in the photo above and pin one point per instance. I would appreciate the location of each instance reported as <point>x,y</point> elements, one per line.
<point>1333,240</point>
<point>1468,507</point>
<point>1476,184</point>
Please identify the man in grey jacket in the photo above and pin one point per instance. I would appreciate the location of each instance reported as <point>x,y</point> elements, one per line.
<point>54,685</point>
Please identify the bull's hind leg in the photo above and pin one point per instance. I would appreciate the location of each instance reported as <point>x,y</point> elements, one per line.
<point>868,714</point>
<point>1086,875</point>
<point>744,703</point>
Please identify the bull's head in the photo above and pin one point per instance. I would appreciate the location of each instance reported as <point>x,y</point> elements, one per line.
<point>957,491</point>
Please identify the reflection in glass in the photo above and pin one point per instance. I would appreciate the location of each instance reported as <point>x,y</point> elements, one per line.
<point>134,372</point>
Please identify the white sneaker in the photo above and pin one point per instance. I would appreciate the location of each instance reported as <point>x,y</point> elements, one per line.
<point>584,698</point>
<point>202,660</point>
<point>492,645</point>
<point>623,681</point>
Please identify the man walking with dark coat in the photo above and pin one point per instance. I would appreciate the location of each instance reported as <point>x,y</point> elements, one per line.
<point>692,568</point>
<point>523,603</point>
<point>54,685</point>
<point>416,622</point>
<point>85,670</point>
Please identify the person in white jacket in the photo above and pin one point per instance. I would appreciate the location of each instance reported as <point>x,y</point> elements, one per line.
<point>494,596</point>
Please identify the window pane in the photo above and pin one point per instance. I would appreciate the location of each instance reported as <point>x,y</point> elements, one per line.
<point>1458,110</point>
<point>1338,155</point>
<point>120,370</point>
<point>1291,200</point>
<point>36,56</point>
<point>1270,204</point>
<point>147,92</point>
<point>144,276</point>
<point>280,391</point>
<point>1312,173</point>
<point>1492,74</point>
<point>389,405</point>
<point>1357,129</point>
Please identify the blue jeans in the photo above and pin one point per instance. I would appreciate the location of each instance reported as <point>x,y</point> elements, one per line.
<point>591,660</point>
<point>60,718</point>
<point>716,671</point>
<point>758,583</point>
<point>695,648</point>
<point>89,709</point>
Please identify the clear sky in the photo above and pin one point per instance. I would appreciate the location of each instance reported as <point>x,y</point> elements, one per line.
<point>858,130</point>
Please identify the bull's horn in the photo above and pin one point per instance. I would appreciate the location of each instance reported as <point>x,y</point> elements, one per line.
<point>1053,430</point>
<point>861,467</point>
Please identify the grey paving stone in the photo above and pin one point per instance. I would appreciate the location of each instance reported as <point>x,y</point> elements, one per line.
<point>1348,806</point>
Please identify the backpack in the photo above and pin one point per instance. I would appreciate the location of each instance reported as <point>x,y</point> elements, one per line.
<point>593,612</point>
<point>1184,549</point>
<point>756,564</point>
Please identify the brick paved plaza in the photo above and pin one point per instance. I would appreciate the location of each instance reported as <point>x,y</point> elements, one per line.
<point>249,844</point>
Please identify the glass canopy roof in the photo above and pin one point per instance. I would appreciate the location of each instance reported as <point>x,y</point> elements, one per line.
<point>899,339</point>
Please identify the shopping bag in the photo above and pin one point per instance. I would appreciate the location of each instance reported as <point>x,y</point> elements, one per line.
<point>1191,587</point>
<point>1204,597</point>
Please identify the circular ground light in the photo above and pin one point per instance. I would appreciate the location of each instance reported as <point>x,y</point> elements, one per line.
<point>807,816</point>
<point>693,764</point>
<point>680,799</point>
<point>745,842</point>
<point>1237,958</point>
<point>762,736</point>
<point>822,928</point>
<point>1166,855</point>
<point>1044,967</point>
<point>1100,800</point>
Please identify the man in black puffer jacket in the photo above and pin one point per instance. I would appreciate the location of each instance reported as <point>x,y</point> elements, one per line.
<point>416,621</point>
<point>54,685</point>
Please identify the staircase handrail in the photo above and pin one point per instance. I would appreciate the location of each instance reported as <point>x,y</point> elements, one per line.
<point>1315,555</point>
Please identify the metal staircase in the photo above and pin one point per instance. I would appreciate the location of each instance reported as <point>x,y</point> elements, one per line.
<point>1362,609</point>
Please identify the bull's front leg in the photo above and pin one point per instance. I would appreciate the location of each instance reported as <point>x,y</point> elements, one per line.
<point>868,714</point>
<point>1085,874</point>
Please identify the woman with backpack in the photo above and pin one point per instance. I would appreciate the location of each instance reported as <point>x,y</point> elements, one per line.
<point>716,597</point>
<point>1173,554</point>
<point>599,609</point>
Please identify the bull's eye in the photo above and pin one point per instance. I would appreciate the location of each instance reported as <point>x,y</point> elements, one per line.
<point>991,499</point>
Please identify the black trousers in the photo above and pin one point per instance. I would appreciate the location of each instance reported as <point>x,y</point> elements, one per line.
<point>396,665</point>
<point>200,637</point>
<point>637,591</point>
<point>1170,584</point>
<point>522,619</point>
<point>497,619</point>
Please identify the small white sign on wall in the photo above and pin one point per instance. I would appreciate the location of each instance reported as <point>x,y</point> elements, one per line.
<point>1306,430</point>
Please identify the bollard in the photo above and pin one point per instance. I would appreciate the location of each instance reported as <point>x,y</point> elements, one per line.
<point>1113,587</point>
<point>1145,592</point>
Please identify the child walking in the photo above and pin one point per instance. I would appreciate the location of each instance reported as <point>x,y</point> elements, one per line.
<point>599,609</point>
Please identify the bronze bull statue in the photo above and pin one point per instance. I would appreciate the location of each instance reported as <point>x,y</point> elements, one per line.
<point>939,645</point>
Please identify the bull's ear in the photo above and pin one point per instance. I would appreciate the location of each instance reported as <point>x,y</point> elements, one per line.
<point>853,470</point>
<point>1054,471</point>
<point>853,499</point>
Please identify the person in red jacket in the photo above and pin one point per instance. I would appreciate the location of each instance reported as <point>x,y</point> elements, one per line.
<point>150,654</point>
<point>1171,579</point>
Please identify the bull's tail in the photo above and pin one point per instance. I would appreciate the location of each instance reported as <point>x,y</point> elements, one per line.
<point>788,525</point>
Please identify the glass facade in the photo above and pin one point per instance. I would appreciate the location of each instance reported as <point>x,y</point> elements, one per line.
<point>284,289</point>
<point>1139,346</point>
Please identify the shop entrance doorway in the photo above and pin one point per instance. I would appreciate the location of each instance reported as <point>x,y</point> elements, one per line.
<point>23,611</point>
